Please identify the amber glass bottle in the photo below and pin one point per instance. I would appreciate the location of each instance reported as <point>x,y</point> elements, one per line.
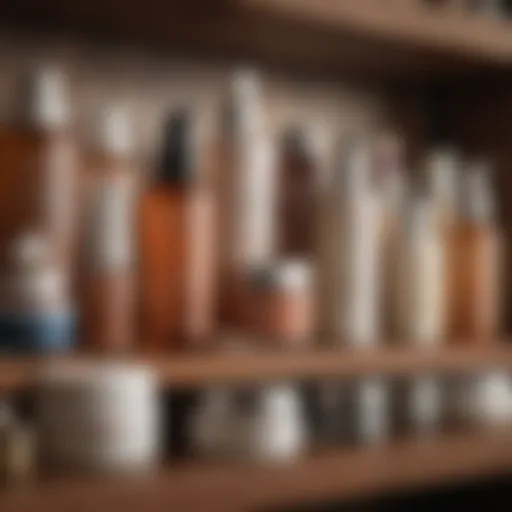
<point>108,275</point>
<point>39,165</point>
<point>297,200</point>
<point>475,264</point>
<point>177,257</point>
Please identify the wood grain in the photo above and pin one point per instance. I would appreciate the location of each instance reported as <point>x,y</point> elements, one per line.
<point>197,370</point>
<point>343,475</point>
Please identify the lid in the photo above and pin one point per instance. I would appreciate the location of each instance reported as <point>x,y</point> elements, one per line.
<point>288,275</point>
<point>419,215</point>
<point>29,250</point>
<point>178,154</point>
<point>243,111</point>
<point>48,105</point>
<point>116,130</point>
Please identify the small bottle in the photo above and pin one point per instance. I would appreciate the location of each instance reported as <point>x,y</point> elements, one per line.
<point>349,281</point>
<point>419,407</point>
<point>44,156</point>
<point>280,303</point>
<point>36,314</point>
<point>420,274</point>
<point>108,244</point>
<point>475,263</point>
<point>177,250</point>
<point>297,203</point>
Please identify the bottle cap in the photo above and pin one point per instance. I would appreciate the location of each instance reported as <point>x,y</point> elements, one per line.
<point>244,113</point>
<point>49,106</point>
<point>115,133</point>
<point>478,197</point>
<point>179,151</point>
<point>287,274</point>
<point>356,163</point>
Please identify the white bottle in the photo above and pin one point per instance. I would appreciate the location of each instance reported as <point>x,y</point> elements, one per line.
<point>247,177</point>
<point>349,270</point>
<point>420,278</point>
<point>424,404</point>
<point>276,430</point>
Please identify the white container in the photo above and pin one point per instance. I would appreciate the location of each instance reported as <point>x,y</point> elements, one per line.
<point>421,407</point>
<point>349,281</point>
<point>275,429</point>
<point>482,400</point>
<point>369,412</point>
<point>420,273</point>
<point>99,416</point>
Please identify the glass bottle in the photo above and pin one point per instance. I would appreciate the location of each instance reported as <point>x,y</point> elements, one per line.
<point>177,251</point>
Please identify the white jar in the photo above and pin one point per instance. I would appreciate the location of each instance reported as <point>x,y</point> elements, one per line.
<point>275,430</point>
<point>420,293</point>
<point>99,416</point>
<point>349,278</point>
<point>482,400</point>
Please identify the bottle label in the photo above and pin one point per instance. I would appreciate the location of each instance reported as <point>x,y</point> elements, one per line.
<point>109,232</point>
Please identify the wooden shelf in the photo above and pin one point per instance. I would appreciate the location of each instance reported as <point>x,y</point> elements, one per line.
<point>344,475</point>
<point>366,38</point>
<point>182,371</point>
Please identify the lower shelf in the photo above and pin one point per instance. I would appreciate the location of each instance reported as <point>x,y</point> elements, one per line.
<point>344,475</point>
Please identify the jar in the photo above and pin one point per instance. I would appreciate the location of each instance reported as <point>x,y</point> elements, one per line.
<point>99,416</point>
<point>279,302</point>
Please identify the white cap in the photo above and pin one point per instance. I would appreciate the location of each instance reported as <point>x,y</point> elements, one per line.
<point>357,162</point>
<point>245,101</point>
<point>478,195</point>
<point>442,167</point>
<point>28,250</point>
<point>116,130</point>
<point>49,102</point>
<point>287,274</point>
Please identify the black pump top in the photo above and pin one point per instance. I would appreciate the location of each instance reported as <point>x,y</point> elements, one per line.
<point>177,160</point>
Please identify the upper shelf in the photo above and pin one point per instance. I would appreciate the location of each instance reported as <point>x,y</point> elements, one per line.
<point>399,39</point>
<point>196,370</point>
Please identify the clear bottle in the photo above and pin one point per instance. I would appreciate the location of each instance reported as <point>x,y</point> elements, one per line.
<point>349,281</point>
<point>420,273</point>
<point>108,242</point>
<point>177,244</point>
<point>475,263</point>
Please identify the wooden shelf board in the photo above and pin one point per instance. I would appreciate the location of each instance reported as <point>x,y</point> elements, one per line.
<point>194,370</point>
<point>345,475</point>
<point>367,38</point>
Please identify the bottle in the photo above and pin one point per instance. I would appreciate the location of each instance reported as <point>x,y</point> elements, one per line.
<point>349,280</point>
<point>475,263</point>
<point>420,274</point>
<point>390,172</point>
<point>297,201</point>
<point>246,188</point>
<point>40,167</point>
<point>36,314</point>
<point>108,245</point>
<point>177,251</point>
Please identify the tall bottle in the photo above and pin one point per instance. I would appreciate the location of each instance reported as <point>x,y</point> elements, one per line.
<point>389,161</point>
<point>177,235</point>
<point>475,262</point>
<point>349,278</point>
<point>420,272</point>
<point>108,244</point>
<point>297,201</point>
<point>40,165</point>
